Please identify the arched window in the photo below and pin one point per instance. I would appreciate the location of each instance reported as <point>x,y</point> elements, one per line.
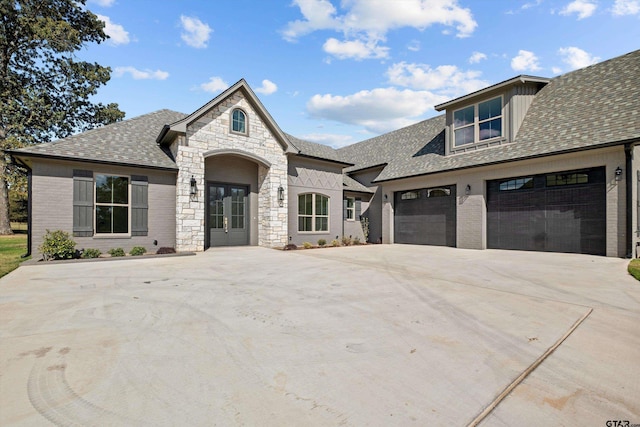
<point>313,212</point>
<point>239,121</point>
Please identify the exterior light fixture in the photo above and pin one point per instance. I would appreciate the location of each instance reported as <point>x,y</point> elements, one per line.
<point>193,189</point>
<point>467,190</point>
<point>618,173</point>
<point>280,195</point>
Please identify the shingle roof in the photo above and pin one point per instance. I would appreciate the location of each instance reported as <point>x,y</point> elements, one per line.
<point>130,142</point>
<point>350,184</point>
<point>313,149</point>
<point>398,146</point>
<point>594,106</point>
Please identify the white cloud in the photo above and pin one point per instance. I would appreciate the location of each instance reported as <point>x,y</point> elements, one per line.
<point>141,74</point>
<point>576,57</point>
<point>117,34</point>
<point>626,7</point>
<point>103,3</point>
<point>530,5</point>
<point>445,79</point>
<point>268,87</point>
<point>196,33</point>
<point>583,8</point>
<point>378,110</point>
<point>331,139</point>
<point>414,46</point>
<point>556,70</point>
<point>215,84</point>
<point>477,57</point>
<point>365,23</point>
<point>525,61</point>
<point>356,49</point>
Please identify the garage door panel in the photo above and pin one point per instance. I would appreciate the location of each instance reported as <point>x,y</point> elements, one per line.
<point>427,218</point>
<point>560,212</point>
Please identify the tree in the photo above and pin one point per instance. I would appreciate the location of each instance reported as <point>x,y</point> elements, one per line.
<point>44,90</point>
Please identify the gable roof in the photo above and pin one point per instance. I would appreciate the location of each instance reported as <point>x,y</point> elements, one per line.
<point>350,184</point>
<point>588,108</point>
<point>180,126</point>
<point>316,151</point>
<point>129,142</point>
<point>521,79</point>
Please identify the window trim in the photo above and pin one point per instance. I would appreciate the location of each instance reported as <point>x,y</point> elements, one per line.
<point>313,215</point>
<point>246,122</point>
<point>96,204</point>
<point>351,209</point>
<point>476,123</point>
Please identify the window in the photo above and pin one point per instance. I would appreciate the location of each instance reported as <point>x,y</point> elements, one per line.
<point>516,184</point>
<point>438,192</point>
<point>410,195</point>
<point>556,179</point>
<point>351,208</point>
<point>239,121</point>
<point>478,122</point>
<point>313,213</point>
<point>112,204</point>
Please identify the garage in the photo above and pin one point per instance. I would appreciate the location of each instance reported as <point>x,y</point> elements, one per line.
<point>555,212</point>
<point>426,216</point>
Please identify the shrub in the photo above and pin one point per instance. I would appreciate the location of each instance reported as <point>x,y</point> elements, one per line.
<point>90,253</point>
<point>346,241</point>
<point>138,250</point>
<point>116,252</point>
<point>165,250</point>
<point>57,245</point>
<point>364,221</point>
<point>335,243</point>
<point>356,240</point>
<point>322,242</point>
<point>307,245</point>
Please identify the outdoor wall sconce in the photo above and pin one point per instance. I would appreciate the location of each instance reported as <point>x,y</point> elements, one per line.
<point>618,173</point>
<point>280,195</point>
<point>467,190</point>
<point>386,197</point>
<point>193,189</point>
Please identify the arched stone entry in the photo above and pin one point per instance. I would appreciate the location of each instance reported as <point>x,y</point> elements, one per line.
<point>233,184</point>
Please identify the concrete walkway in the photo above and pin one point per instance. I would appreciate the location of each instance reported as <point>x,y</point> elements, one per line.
<point>375,335</point>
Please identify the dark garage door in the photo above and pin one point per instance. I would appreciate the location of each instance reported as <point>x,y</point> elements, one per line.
<point>426,216</point>
<point>557,212</point>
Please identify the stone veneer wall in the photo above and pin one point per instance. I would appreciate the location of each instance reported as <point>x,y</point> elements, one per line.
<point>211,132</point>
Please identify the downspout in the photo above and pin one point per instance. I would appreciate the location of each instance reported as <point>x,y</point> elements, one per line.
<point>628,150</point>
<point>29,174</point>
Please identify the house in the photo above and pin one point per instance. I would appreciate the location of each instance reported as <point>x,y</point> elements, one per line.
<point>530,163</point>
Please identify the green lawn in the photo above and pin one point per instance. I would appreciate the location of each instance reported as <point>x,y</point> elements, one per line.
<point>634,268</point>
<point>11,250</point>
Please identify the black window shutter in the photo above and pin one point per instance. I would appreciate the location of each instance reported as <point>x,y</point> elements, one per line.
<point>358,209</point>
<point>139,205</point>
<point>344,209</point>
<point>82,203</point>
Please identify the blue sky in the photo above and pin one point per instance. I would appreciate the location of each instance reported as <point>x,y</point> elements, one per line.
<point>341,71</point>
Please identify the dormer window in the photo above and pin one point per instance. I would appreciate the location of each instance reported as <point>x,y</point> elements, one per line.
<point>478,122</point>
<point>239,121</point>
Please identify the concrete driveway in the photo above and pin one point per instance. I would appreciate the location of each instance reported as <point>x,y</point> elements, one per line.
<point>375,335</point>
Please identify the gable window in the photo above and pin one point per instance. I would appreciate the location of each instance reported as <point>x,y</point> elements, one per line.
<point>112,204</point>
<point>313,212</point>
<point>239,121</point>
<point>478,122</point>
<point>351,209</point>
